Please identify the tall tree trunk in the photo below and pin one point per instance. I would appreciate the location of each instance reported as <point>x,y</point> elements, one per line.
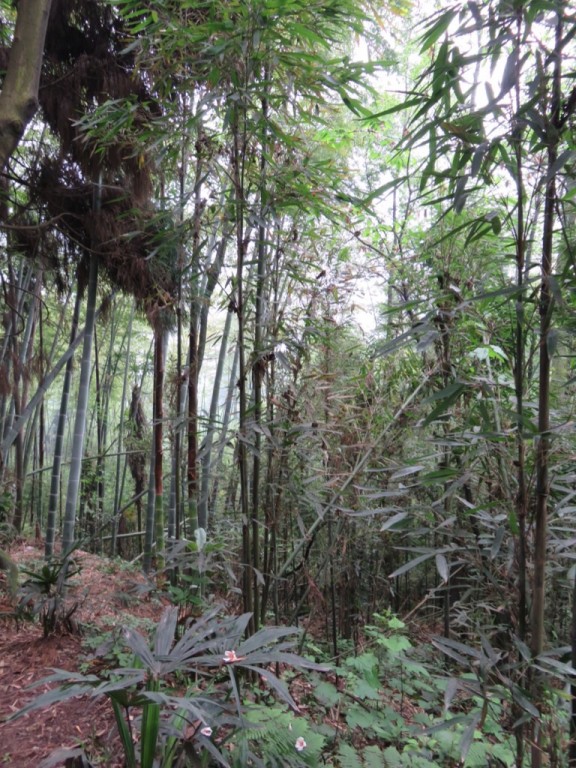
<point>193,361</point>
<point>154,539</point>
<point>206,450</point>
<point>174,510</point>
<point>21,353</point>
<point>136,460</point>
<point>72,495</point>
<point>223,437</point>
<point>19,96</point>
<point>59,441</point>
<point>546,308</point>
<point>175,506</point>
<point>239,148</point>
<point>118,520</point>
<point>150,516</point>
<point>259,361</point>
<point>12,431</point>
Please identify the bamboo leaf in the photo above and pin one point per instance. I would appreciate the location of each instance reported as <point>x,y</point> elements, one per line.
<point>452,688</point>
<point>443,568</point>
<point>406,471</point>
<point>393,521</point>
<point>560,162</point>
<point>510,73</point>
<point>526,705</point>
<point>497,543</point>
<point>468,736</point>
<point>410,565</point>
<point>552,339</point>
<point>450,395</point>
<point>437,29</point>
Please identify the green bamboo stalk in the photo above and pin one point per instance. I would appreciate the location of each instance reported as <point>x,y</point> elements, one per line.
<point>69,526</point>
<point>59,441</point>
<point>206,451</point>
<point>160,345</point>
<point>119,480</point>
<point>150,518</point>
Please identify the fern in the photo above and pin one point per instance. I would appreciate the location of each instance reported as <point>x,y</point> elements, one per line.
<point>349,757</point>
<point>270,737</point>
<point>371,757</point>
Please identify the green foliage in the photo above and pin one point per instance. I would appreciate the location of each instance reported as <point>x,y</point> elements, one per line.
<point>11,569</point>
<point>158,723</point>
<point>192,567</point>
<point>396,695</point>
<point>275,737</point>
<point>425,438</point>
<point>43,594</point>
<point>7,530</point>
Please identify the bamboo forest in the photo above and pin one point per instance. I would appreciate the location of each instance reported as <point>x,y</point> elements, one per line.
<point>287,383</point>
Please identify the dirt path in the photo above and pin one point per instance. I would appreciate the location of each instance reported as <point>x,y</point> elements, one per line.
<point>107,596</point>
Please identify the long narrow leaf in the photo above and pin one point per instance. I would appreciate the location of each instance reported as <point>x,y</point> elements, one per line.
<point>410,565</point>
<point>125,735</point>
<point>165,632</point>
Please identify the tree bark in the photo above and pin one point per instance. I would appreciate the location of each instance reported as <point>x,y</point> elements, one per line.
<point>19,96</point>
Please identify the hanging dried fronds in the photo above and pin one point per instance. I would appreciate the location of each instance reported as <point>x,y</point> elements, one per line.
<point>129,241</point>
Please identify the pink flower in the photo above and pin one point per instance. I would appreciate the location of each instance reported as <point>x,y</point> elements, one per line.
<point>206,731</point>
<point>300,744</point>
<point>230,656</point>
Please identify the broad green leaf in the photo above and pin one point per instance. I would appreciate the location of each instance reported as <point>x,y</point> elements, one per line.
<point>125,734</point>
<point>453,686</point>
<point>358,717</point>
<point>392,758</point>
<point>327,693</point>
<point>149,728</point>
<point>446,393</point>
<point>362,689</point>
<point>365,663</point>
<point>395,644</point>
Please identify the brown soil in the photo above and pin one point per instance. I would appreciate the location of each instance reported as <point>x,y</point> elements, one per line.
<point>104,593</point>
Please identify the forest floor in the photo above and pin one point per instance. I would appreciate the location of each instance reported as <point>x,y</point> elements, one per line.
<point>107,595</point>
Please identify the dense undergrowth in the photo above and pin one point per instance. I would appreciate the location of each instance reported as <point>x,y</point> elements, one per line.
<point>195,690</point>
